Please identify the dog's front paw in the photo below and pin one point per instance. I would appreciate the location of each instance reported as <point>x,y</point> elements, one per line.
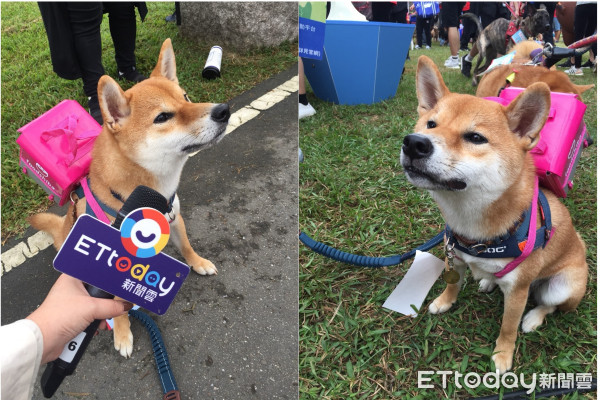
<point>124,342</point>
<point>503,360</point>
<point>486,285</point>
<point>204,267</point>
<point>440,305</point>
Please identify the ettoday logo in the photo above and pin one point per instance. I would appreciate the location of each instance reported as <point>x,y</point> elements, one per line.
<point>144,232</point>
<point>128,264</point>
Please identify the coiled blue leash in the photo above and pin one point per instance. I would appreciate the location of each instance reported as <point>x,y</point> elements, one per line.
<point>160,356</point>
<point>365,261</point>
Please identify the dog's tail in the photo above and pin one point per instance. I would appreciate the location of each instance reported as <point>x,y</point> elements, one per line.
<point>52,224</point>
<point>473,18</point>
<point>583,88</point>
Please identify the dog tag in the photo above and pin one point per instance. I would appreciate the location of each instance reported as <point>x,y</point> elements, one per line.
<point>451,276</point>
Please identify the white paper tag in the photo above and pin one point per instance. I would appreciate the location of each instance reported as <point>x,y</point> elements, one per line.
<point>418,281</point>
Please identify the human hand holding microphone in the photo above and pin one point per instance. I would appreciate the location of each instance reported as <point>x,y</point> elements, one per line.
<point>61,322</point>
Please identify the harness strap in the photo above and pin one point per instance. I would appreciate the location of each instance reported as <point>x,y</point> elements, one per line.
<point>96,206</point>
<point>511,30</point>
<point>531,236</point>
<point>514,14</point>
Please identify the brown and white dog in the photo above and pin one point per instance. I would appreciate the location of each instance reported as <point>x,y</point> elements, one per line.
<point>472,155</point>
<point>526,75</point>
<point>148,134</point>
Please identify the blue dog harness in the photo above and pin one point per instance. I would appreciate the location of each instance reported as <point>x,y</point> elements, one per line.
<point>511,244</point>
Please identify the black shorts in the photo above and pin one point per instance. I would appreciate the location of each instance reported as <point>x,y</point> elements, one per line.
<point>450,12</point>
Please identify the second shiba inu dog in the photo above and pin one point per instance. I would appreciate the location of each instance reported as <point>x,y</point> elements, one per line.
<point>473,157</point>
<point>148,134</point>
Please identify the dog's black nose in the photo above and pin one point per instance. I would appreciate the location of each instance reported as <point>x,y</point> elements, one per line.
<point>547,27</point>
<point>220,113</point>
<point>417,146</point>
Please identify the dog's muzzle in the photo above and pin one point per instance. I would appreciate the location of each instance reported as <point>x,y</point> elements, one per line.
<point>416,152</point>
<point>220,113</point>
<point>417,146</point>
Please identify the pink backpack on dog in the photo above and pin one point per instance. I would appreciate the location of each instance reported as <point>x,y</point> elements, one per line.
<point>55,148</point>
<point>561,140</point>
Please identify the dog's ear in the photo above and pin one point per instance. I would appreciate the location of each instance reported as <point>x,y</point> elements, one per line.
<point>531,10</point>
<point>166,63</point>
<point>528,113</point>
<point>430,85</point>
<point>113,103</point>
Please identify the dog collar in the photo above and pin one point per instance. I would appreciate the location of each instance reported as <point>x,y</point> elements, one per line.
<point>515,243</point>
<point>96,207</point>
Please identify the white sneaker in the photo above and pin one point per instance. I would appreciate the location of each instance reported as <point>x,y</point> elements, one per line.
<point>417,47</point>
<point>452,62</point>
<point>305,110</point>
<point>574,71</point>
<point>427,47</point>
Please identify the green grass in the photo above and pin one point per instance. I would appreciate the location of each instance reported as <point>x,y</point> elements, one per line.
<point>30,87</point>
<point>354,196</point>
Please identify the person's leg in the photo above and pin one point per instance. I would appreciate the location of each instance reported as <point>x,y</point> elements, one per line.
<point>450,13</point>
<point>469,30</point>
<point>121,18</point>
<point>591,27</point>
<point>454,40</point>
<point>419,29</point>
<point>301,78</point>
<point>466,62</point>
<point>579,27</point>
<point>304,108</point>
<point>85,20</point>
<point>427,27</point>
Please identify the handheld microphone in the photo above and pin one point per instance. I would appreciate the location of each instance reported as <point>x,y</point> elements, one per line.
<point>66,363</point>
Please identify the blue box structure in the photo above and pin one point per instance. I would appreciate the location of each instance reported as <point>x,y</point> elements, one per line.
<point>362,61</point>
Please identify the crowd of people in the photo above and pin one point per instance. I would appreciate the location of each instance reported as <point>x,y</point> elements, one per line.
<point>444,21</point>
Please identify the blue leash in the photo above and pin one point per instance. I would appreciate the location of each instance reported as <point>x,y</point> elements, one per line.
<point>160,356</point>
<point>365,261</point>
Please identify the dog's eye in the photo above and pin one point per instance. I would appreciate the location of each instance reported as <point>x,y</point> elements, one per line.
<point>163,117</point>
<point>431,124</point>
<point>475,138</point>
<point>185,96</point>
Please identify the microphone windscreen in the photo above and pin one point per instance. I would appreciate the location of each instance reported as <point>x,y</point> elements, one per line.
<point>142,196</point>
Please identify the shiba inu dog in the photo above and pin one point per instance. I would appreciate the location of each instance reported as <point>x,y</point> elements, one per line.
<point>148,134</point>
<point>472,155</point>
<point>525,75</point>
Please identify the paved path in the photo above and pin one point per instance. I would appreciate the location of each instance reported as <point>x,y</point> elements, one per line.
<point>230,336</point>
